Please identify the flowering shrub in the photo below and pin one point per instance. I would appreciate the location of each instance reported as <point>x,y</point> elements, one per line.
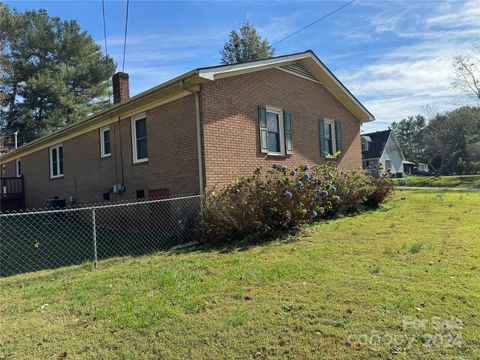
<point>282,199</point>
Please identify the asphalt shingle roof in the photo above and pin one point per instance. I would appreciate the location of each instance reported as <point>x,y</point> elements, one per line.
<point>375,148</point>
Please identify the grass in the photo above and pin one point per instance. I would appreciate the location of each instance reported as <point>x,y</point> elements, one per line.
<point>465,181</point>
<point>349,288</point>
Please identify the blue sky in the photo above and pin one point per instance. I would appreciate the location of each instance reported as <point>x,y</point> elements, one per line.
<point>395,56</point>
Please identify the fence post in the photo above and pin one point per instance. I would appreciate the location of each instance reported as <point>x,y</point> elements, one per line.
<point>94,229</point>
<point>0,243</point>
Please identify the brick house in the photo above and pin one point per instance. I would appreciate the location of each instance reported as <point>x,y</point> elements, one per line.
<point>203,128</point>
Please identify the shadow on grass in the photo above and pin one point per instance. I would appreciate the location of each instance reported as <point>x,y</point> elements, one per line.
<point>278,237</point>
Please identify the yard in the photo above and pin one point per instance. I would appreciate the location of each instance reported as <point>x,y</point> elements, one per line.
<point>401,282</point>
<point>465,181</point>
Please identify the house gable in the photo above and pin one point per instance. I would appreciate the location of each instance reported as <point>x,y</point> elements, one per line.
<point>306,64</point>
<point>231,131</point>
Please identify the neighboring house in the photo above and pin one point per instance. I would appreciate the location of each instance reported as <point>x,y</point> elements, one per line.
<point>380,151</point>
<point>203,128</point>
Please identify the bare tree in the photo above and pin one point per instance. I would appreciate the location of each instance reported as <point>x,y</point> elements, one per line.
<point>467,71</point>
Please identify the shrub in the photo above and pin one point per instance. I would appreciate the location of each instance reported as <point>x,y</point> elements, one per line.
<point>282,200</point>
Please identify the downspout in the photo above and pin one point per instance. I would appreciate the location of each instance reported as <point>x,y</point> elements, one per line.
<point>199,135</point>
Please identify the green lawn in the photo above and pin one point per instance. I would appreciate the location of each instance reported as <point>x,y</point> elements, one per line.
<point>466,181</point>
<point>369,276</point>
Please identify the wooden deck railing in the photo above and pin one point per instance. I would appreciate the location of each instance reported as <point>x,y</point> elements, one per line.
<point>12,193</point>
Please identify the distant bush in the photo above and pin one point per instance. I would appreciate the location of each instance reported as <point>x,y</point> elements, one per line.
<point>282,200</point>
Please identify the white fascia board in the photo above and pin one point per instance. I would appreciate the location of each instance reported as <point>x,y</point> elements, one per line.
<point>210,73</point>
<point>370,117</point>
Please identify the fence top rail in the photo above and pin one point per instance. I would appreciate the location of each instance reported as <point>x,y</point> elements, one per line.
<point>98,206</point>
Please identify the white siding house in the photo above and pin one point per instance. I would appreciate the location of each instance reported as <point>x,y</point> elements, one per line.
<point>380,151</point>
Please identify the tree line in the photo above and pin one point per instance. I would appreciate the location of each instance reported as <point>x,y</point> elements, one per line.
<point>449,142</point>
<point>51,73</point>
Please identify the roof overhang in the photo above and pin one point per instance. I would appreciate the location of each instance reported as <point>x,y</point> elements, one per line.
<point>169,91</point>
<point>183,85</point>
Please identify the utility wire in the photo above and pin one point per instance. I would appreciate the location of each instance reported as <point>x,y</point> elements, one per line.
<point>106,48</point>
<point>316,21</point>
<point>104,27</point>
<point>125,38</point>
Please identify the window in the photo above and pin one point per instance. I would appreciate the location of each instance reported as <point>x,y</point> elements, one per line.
<point>331,144</point>
<point>56,161</point>
<point>18,167</point>
<point>329,133</point>
<point>276,142</point>
<point>105,145</point>
<point>275,127</point>
<point>139,139</point>
<point>140,194</point>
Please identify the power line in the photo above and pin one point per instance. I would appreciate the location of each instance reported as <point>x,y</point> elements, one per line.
<point>125,38</point>
<point>316,21</point>
<point>104,27</point>
<point>106,48</point>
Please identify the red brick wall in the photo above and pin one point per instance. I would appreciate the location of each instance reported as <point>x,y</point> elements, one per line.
<point>230,123</point>
<point>230,135</point>
<point>172,164</point>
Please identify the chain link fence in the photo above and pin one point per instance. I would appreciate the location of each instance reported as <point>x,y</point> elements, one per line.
<point>35,240</point>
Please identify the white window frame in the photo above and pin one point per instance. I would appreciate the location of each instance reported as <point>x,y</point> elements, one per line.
<point>50,152</point>
<point>334,138</point>
<point>136,160</point>
<point>103,154</point>
<point>18,164</point>
<point>281,130</point>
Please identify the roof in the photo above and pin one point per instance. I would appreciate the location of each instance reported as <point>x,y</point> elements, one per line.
<point>184,84</point>
<point>375,148</point>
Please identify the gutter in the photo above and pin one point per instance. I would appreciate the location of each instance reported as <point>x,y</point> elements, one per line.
<point>114,110</point>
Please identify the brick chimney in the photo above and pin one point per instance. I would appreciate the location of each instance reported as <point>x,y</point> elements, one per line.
<point>121,91</point>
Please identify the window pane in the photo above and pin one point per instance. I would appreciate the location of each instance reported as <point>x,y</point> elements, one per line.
<point>142,150</point>
<point>273,142</point>
<point>60,156</point>
<point>53,153</point>
<point>106,142</point>
<point>329,146</point>
<point>272,122</point>
<point>141,128</point>
<point>328,130</point>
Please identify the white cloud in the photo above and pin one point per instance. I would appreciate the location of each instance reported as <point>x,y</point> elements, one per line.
<point>456,14</point>
<point>404,79</point>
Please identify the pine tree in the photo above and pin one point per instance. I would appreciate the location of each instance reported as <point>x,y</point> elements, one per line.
<point>245,45</point>
<point>51,73</point>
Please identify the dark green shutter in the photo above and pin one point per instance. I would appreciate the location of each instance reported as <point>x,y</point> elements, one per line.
<point>323,143</point>
<point>287,119</point>
<point>262,123</point>
<point>338,137</point>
